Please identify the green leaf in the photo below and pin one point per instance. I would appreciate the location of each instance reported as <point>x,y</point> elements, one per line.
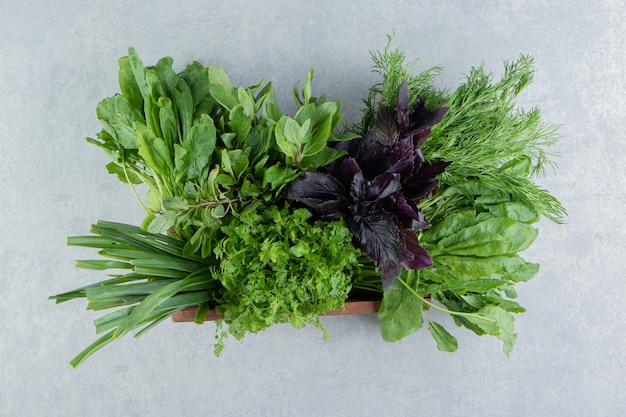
<point>196,76</point>
<point>100,265</point>
<point>199,146</point>
<point>162,223</point>
<point>167,76</point>
<point>258,141</point>
<point>224,96</point>
<point>123,175</point>
<point>344,137</point>
<point>151,302</point>
<point>445,341</point>
<point>169,122</point>
<point>282,141</point>
<point>217,76</point>
<point>515,210</point>
<point>183,102</point>
<point>118,119</point>
<point>128,84</point>
<point>139,72</point>
<point>154,151</point>
<point>278,175</point>
<point>516,269</point>
<point>153,200</point>
<point>241,117</point>
<point>92,348</point>
<point>400,311</point>
<point>175,203</point>
<point>500,325</point>
<point>320,159</point>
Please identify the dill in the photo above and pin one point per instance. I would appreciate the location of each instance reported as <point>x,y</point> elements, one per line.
<point>488,138</point>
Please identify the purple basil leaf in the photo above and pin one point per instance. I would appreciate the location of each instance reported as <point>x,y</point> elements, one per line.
<point>372,156</point>
<point>408,215</point>
<point>357,187</point>
<point>320,192</point>
<point>382,186</point>
<point>345,170</point>
<point>419,136</point>
<point>404,168</point>
<point>379,238</point>
<point>404,149</point>
<point>420,190</point>
<point>386,127</point>
<point>402,110</point>
<point>414,255</point>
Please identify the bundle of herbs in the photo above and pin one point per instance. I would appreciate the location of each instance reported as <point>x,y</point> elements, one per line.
<point>268,218</point>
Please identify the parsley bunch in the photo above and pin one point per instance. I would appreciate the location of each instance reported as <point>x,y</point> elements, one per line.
<point>278,267</point>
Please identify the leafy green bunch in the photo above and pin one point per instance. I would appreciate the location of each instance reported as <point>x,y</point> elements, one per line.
<point>482,213</point>
<point>278,267</point>
<point>206,148</point>
<point>218,161</point>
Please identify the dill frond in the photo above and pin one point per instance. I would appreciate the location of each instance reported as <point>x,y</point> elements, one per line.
<point>484,132</point>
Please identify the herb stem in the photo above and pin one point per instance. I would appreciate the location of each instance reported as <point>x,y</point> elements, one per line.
<point>133,189</point>
<point>445,310</point>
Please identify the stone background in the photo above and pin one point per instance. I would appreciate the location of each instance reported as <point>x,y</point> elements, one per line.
<point>59,58</point>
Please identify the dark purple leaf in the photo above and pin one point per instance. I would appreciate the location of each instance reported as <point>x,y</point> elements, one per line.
<point>424,181</point>
<point>404,149</point>
<point>345,170</point>
<point>372,156</point>
<point>357,187</point>
<point>382,186</point>
<point>402,110</point>
<point>320,192</point>
<point>404,168</point>
<point>386,127</point>
<point>417,192</point>
<point>414,255</point>
<point>408,215</point>
<point>379,238</point>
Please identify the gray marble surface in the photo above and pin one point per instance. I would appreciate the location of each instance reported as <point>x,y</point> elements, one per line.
<point>59,58</point>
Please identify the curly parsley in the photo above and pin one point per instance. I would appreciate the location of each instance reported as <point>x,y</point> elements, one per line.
<point>278,267</point>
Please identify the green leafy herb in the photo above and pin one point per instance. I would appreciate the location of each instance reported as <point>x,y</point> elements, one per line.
<point>195,138</point>
<point>159,280</point>
<point>277,267</point>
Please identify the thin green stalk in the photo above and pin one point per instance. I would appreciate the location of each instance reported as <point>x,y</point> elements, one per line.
<point>436,307</point>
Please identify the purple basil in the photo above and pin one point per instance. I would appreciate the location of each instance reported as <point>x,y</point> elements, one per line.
<point>378,185</point>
